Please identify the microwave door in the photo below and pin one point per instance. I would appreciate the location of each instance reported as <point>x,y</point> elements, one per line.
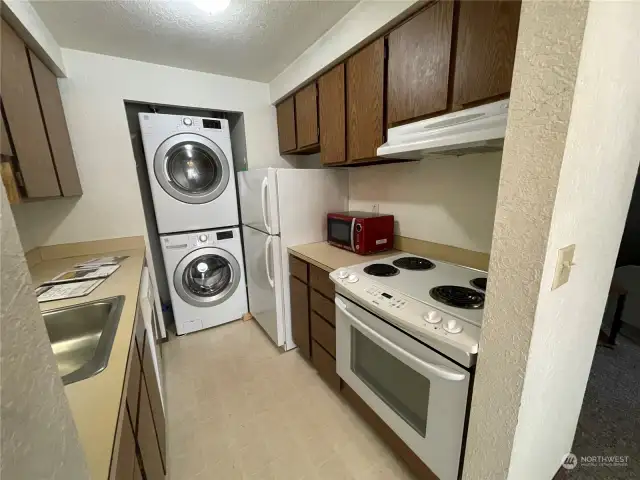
<point>342,232</point>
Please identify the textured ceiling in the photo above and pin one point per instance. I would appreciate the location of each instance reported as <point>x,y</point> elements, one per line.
<point>250,39</point>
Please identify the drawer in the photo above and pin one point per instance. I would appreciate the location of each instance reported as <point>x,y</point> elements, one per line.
<point>324,333</point>
<point>298,269</point>
<point>320,281</point>
<point>323,307</point>
<point>325,364</point>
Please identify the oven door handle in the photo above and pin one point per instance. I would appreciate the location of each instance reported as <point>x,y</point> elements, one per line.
<point>439,370</point>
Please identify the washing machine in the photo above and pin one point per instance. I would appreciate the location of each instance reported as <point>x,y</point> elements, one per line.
<point>190,166</point>
<point>205,271</point>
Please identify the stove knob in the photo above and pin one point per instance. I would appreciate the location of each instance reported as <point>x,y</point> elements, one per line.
<point>452,327</point>
<point>353,278</point>
<point>432,317</point>
<point>343,273</point>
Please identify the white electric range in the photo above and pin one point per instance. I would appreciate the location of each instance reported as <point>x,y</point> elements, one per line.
<point>407,333</point>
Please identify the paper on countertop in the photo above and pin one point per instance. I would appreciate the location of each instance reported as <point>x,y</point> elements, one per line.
<point>47,293</point>
<point>83,274</point>
<point>100,261</point>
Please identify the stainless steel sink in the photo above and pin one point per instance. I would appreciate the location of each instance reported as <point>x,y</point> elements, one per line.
<point>82,336</point>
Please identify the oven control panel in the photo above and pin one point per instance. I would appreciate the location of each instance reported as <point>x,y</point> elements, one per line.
<point>414,316</point>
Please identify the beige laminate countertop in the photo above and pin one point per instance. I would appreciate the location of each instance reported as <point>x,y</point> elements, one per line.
<point>330,258</point>
<point>95,402</point>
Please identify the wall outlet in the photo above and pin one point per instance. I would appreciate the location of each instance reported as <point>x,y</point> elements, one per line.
<point>563,266</point>
<point>375,208</point>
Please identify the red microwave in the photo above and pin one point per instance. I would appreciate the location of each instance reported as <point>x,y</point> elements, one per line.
<point>360,232</point>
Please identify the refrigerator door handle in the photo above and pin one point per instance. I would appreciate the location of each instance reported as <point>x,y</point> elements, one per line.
<point>264,198</point>
<point>267,246</point>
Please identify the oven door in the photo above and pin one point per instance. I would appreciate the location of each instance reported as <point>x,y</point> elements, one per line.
<point>418,393</point>
<point>341,232</point>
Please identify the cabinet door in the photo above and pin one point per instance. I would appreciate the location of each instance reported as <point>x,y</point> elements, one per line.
<point>300,316</point>
<point>418,71</point>
<point>154,398</point>
<point>486,47</point>
<point>147,439</point>
<point>126,461</point>
<point>306,102</point>
<point>133,388</point>
<point>365,102</point>
<point>56,127</point>
<point>332,113</point>
<point>24,120</point>
<point>286,114</point>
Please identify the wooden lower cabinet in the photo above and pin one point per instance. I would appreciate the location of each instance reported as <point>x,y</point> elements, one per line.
<point>147,438</point>
<point>325,364</point>
<point>299,294</point>
<point>127,458</point>
<point>323,333</point>
<point>153,390</point>
<point>140,450</point>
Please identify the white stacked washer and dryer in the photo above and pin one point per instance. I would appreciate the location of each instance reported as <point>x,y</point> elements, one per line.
<point>193,186</point>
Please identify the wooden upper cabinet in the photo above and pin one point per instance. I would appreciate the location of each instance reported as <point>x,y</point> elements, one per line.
<point>332,113</point>
<point>365,102</point>
<point>56,127</point>
<point>418,68</point>
<point>24,120</point>
<point>286,113</point>
<point>485,52</point>
<point>306,102</point>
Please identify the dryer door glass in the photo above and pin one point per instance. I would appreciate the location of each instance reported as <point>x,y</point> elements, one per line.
<point>193,169</point>
<point>208,276</point>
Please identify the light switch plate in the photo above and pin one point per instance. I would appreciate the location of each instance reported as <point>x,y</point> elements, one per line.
<point>563,266</point>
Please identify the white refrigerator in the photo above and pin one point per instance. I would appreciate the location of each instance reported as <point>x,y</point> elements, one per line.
<point>281,208</point>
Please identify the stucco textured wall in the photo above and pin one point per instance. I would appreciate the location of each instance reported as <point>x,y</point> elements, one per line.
<point>39,438</point>
<point>594,190</point>
<point>549,45</point>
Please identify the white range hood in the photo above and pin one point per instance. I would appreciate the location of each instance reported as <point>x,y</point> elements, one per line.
<point>478,129</point>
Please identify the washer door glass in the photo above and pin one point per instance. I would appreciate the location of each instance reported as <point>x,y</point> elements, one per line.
<point>191,168</point>
<point>207,276</point>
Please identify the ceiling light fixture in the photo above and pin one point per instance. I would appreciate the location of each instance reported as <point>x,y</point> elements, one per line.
<point>212,6</point>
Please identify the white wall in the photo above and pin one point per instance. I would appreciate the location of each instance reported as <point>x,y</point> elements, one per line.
<point>594,190</point>
<point>93,96</point>
<point>24,19</point>
<point>444,199</point>
<point>363,22</point>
